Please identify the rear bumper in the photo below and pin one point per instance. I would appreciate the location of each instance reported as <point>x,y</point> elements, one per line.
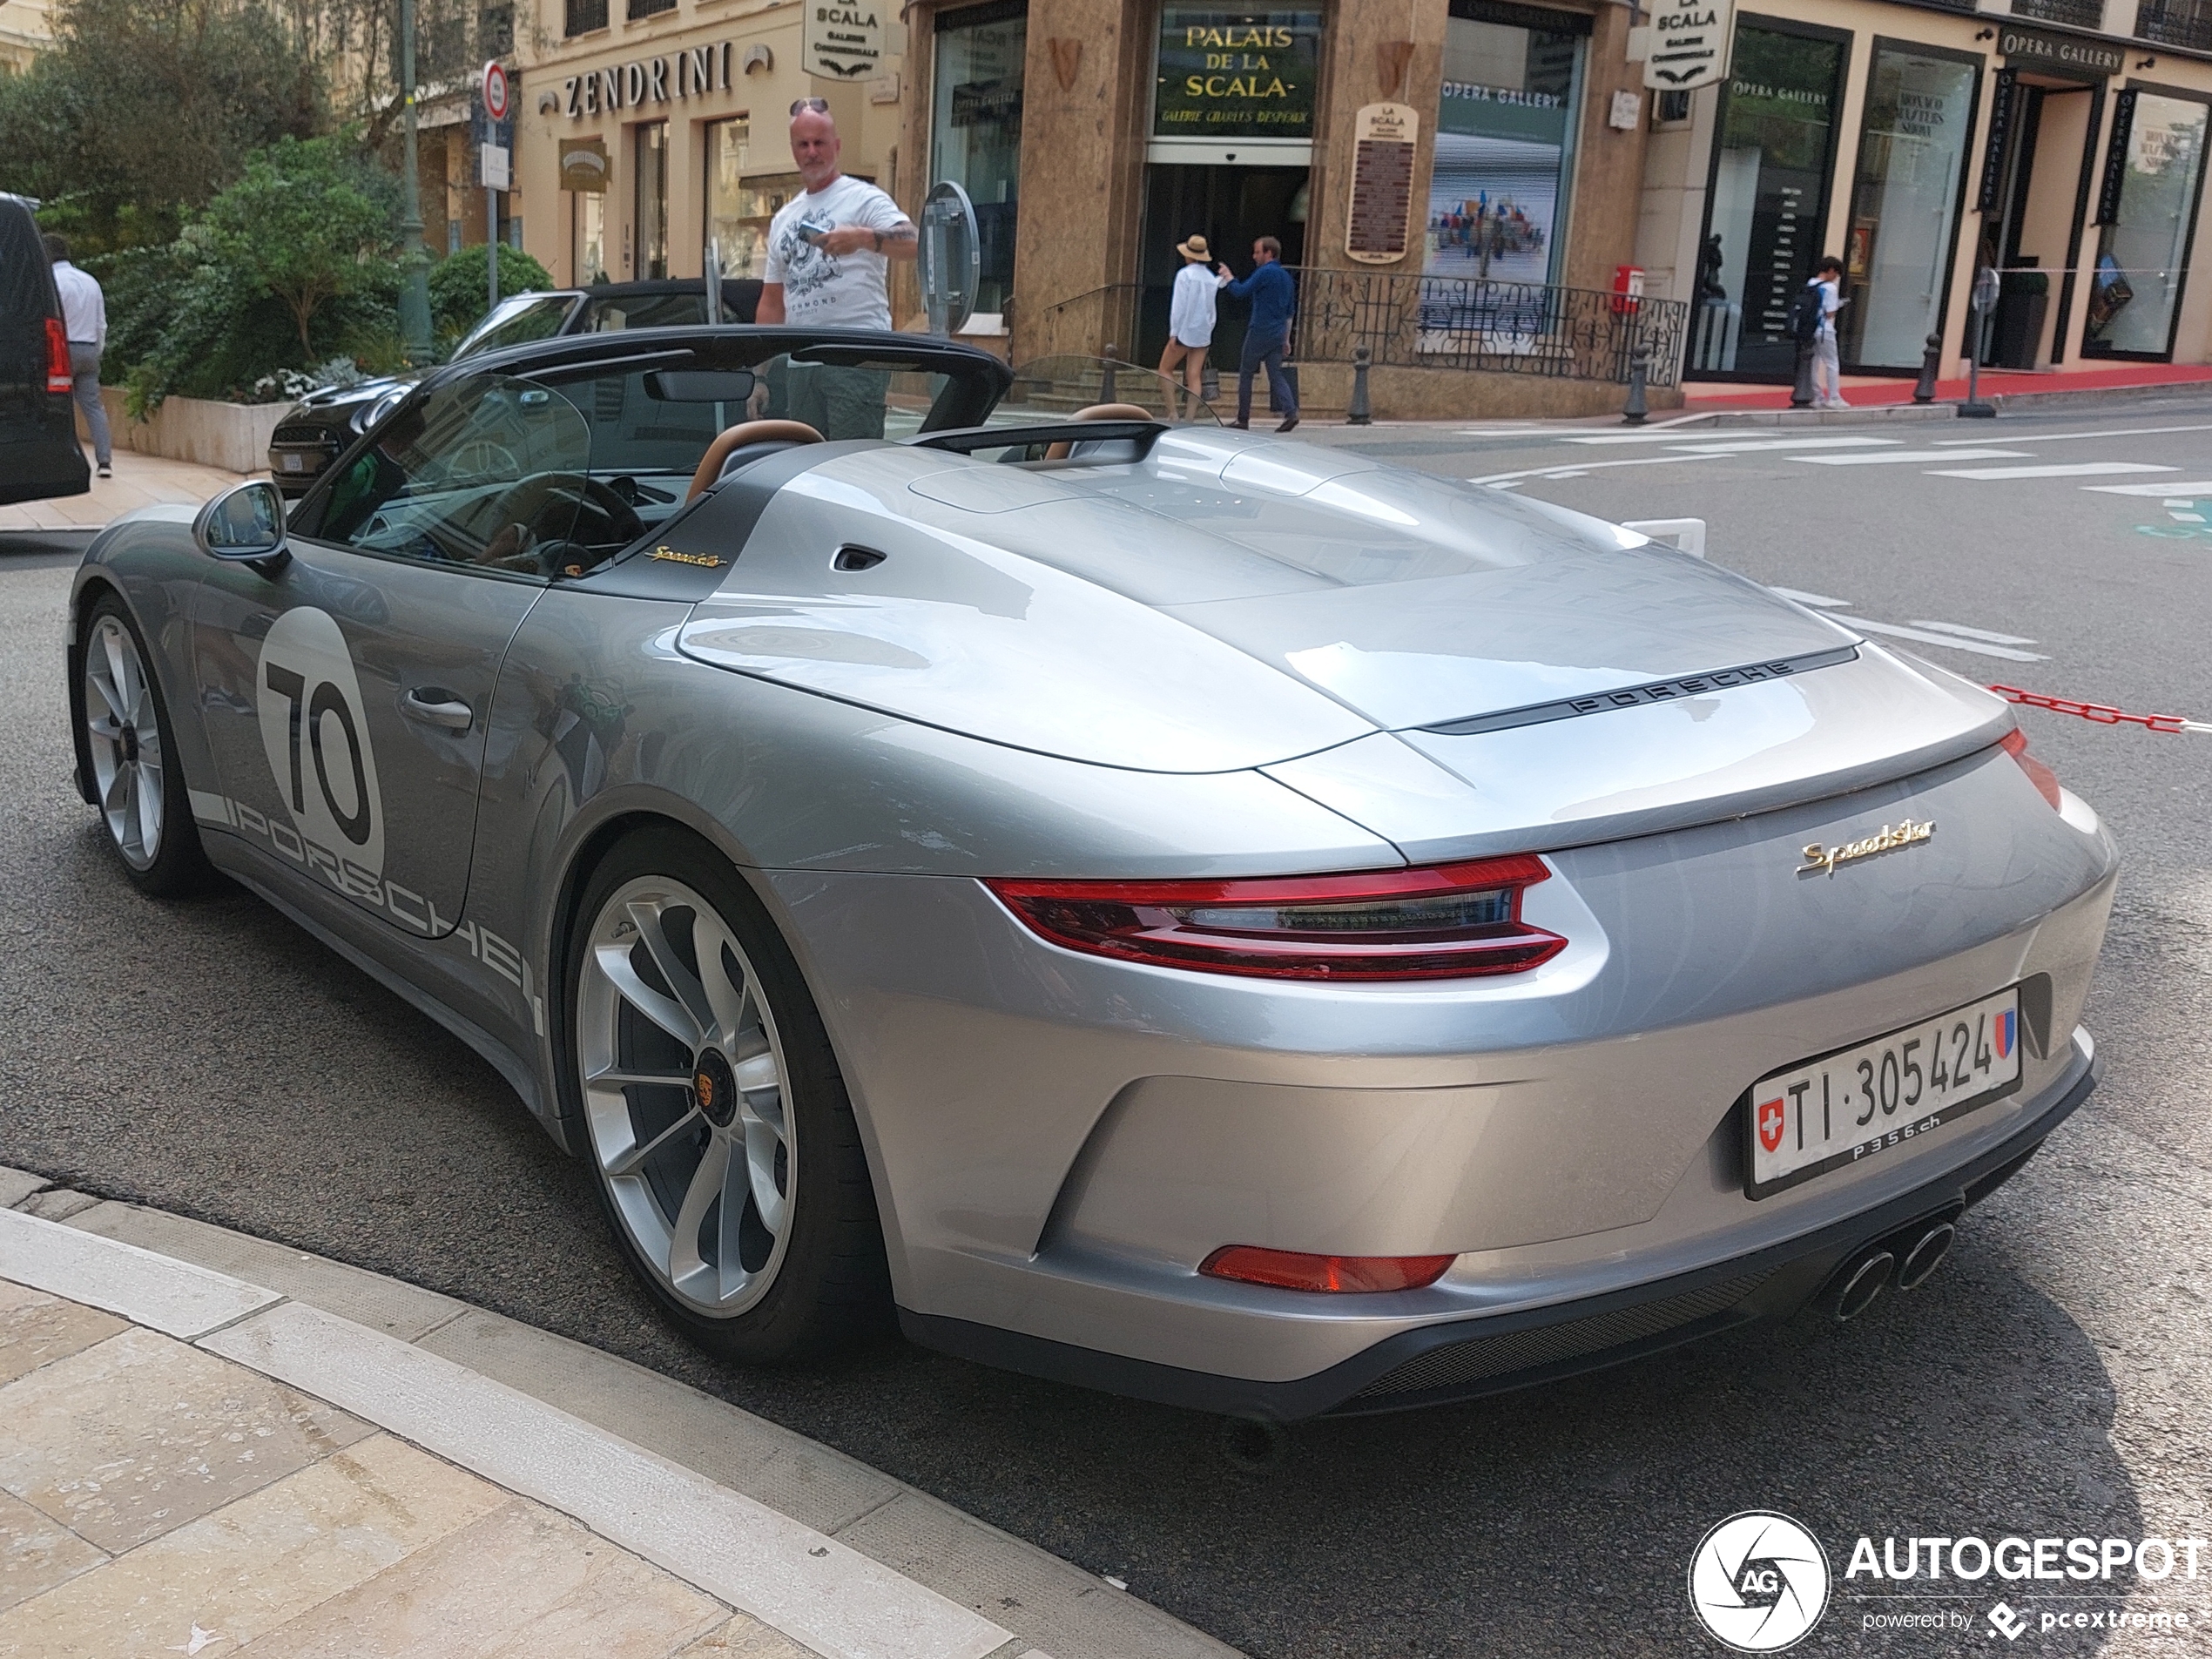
<point>41,462</point>
<point>1462,1358</point>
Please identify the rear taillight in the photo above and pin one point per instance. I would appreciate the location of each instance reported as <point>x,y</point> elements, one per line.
<point>2046,780</point>
<point>1446,922</point>
<point>1291,1269</point>
<point>58,376</point>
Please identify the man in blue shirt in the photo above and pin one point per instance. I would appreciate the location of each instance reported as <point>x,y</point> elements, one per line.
<point>1267,335</point>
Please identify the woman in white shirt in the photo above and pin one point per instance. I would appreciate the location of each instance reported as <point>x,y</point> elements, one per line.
<point>1190,320</point>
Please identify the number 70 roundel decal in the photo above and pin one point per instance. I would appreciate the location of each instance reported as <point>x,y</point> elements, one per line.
<point>314,728</point>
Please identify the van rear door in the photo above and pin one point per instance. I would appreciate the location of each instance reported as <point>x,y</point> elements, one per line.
<point>39,456</point>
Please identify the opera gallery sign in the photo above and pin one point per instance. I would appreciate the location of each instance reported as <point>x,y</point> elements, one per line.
<point>678,75</point>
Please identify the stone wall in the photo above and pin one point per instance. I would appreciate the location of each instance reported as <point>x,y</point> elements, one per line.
<point>234,436</point>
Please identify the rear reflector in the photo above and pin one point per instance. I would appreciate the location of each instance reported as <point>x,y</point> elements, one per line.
<point>1450,921</point>
<point>2046,780</point>
<point>1292,1270</point>
<point>59,377</point>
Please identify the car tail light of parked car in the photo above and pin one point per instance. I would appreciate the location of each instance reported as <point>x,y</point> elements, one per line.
<point>1448,921</point>
<point>2046,780</point>
<point>59,378</point>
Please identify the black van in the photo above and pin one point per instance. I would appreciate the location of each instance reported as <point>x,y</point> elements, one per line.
<point>39,456</point>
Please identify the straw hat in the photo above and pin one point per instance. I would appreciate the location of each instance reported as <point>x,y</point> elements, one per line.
<point>1193,249</point>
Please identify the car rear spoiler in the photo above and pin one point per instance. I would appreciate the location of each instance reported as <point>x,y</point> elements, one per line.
<point>1142,434</point>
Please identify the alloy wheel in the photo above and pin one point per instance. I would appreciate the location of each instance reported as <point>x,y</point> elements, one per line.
<point>684,1092</point>
<point>124,742</point>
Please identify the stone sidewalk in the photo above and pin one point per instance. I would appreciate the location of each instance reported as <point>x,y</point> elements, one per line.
<point>156,1498</point>
<point>139,480</point>
<point>211,1443</point>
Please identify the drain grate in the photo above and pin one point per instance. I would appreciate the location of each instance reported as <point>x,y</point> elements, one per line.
<point>1544,1345</point>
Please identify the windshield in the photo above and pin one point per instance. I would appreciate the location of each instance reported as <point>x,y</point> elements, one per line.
<point>516,322</point>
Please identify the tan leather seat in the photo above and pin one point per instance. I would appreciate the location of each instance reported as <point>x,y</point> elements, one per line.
<point>1097,412</point>
<point>736,438</point>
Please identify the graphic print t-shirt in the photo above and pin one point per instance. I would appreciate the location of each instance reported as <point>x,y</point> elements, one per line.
<point>831,291</point>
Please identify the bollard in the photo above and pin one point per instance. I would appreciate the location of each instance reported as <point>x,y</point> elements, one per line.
<point>1633,411</point>
<point>1930,362</point>
<point>1801,394</point>
<point>1106,390</point>
<point>1359,412</point>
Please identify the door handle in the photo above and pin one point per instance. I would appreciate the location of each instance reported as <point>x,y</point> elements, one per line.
<point>434,705</point>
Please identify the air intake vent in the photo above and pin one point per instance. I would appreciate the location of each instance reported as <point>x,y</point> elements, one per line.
<point>856,558</point>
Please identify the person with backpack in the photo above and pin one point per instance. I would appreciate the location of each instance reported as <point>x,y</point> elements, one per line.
<point>1811,322</point>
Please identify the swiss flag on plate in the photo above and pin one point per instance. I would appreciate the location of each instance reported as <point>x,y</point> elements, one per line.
<point>1770,1124</point>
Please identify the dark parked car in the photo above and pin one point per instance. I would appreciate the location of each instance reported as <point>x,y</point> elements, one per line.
<point>39,456</point>
<point>314,433</point>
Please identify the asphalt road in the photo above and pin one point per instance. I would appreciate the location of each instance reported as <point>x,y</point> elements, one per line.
<point>2053,1380</point>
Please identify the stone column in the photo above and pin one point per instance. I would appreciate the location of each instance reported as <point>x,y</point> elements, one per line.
<point>1371,54</point>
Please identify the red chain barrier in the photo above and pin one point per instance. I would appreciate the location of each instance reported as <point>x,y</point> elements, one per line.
<point>2102,714</point>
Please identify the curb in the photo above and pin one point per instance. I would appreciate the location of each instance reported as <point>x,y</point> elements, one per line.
<point>832,1552</point>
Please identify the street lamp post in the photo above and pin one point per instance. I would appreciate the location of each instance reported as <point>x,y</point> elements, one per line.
<point>414,262</point>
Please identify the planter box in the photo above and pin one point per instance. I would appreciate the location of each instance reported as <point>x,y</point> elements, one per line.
<point>234,436</point>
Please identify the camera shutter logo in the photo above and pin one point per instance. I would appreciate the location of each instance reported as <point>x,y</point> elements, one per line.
<point>1759,1582</point>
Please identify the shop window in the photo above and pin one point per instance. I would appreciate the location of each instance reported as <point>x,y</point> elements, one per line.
<point>581,17</point>
<point>2135,293</point>
<point>739,206</point>
<point>975,129</point>
<point>1767,207</point>
<point>1505,141</point>
<point>590,249</point>
<point>651,218</point>
<point>1897,253</point>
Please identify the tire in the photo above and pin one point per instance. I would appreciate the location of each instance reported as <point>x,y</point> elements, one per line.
<point>129,747</point>
<point>711,1110</point>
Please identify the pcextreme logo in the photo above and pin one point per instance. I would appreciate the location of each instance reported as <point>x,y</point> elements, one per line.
<point>1759,1582</point>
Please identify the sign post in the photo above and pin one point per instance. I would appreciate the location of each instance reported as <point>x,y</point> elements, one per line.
<point>1691,45</point>
<point>494,152</point>
<point>1382,184</point>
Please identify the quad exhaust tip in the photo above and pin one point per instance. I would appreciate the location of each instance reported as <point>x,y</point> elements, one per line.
<point>1904,1260</point>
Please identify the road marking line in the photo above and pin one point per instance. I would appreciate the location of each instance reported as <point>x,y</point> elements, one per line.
<point>2064,437</point>
<point>1892,457</point>
<point>1927,638</point>
<point>1751,446</point>
<point>1580,466</point>
<point>1819,601</point>
<point>2077,469</point>
<point>1971,633</point>
<point>2168,488</point>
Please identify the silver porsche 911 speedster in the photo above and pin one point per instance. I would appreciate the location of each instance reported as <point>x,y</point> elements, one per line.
<point>1189,914</point>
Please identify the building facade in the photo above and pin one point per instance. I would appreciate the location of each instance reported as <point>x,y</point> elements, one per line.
<point>24,32</point>
<point>2059,143</point>
<point>650,132</point>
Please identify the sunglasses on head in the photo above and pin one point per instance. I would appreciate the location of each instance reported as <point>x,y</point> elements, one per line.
<point>819,105</point>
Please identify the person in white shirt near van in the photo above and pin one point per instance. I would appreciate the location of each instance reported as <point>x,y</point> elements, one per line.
<point>1190,318</point>
<point>84,317</point>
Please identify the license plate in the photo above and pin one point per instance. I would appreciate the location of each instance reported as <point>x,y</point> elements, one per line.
<point>1866,1100</point>
<point>294,463</point>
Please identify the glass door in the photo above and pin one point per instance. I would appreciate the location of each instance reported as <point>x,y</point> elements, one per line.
<point>1766,208</point>
<point>1906,201</point>
<point>2135,295</point>
<point>975,128</point>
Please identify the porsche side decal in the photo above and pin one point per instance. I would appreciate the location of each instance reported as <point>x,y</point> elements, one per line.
<point>315,730</point>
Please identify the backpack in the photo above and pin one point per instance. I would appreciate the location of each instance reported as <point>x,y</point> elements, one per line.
<point>1802,321</point>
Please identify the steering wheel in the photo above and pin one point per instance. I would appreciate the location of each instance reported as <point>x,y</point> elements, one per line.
<point>561,524</point>
<point>481,461</point>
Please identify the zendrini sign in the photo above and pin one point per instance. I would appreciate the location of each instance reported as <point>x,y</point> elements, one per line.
<point>1689,46</point>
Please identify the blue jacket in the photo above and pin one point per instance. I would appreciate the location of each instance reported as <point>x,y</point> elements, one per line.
<point>1274,296</point>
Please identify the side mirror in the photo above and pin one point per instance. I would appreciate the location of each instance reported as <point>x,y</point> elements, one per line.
<point>244,524</point>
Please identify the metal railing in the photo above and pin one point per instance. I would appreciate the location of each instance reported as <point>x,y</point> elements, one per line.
<point>2080,14</point>
<point>1468,323</point>
<point>2187,25</point>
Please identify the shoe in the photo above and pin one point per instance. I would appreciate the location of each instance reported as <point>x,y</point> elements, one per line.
<point>107,471</point>
<point>1289,423</point>
<point>1240,426</point>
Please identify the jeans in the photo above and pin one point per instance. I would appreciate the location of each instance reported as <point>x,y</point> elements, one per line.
<point>1268,349</point>
<point>85,385</point>
<point>1827,385</point>
<point>837,402</point>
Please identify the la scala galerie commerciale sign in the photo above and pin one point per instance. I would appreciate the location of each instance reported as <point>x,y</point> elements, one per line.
<point>1235,74</point>
<point>1689,46</point>
<point>842,42</point>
